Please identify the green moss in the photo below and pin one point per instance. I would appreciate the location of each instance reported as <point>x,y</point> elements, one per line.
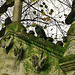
<point>47,67</point>
<point>1,14</point>
<point>46,45</point>
<point>15,27</point>
<point>4,74</point>
<point>30,51</point>
<point>71,30</point>
<point>51,62</point>
<point>66,45</point>
<point>28,67</point>
<point>67,58</point>
<point>9,1</point>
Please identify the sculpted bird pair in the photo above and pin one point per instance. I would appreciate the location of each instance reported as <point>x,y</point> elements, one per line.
<point>71,17</point>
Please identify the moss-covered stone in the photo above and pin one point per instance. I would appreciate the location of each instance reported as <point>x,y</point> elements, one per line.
<point>4,74</point>
<point>9,1</point>
<point>71,31</point>
<point>38,48</point>
<point>15,27</point>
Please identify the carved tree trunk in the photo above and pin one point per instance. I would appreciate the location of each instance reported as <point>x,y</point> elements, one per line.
<point>17,11</point>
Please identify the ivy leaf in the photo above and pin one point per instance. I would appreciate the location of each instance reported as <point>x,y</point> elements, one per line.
<point>48,18</point>
<point>43,13</point>
<point>65,15</point>
<point>52,10</point>
<point>45,27</point>
<point>27,26</point>
<point>50,13</point>
<point>44,19</point>
<point>3,25</point>
<point>51,29</point>
<point>46,6</point>
<point>42,10</point>
<point>34,25</point>
<point>63,22</point>
<point>34,12</point>
<point>1,14</point>
<point>41,5</point>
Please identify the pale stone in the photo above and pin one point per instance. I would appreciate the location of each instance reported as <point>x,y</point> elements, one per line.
<point>17,11</point>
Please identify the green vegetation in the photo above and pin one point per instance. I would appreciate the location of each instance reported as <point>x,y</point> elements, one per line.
<point>67,58</point>
<point>66,45</point>
<point>49,46</point>
<point>71,31</point>
<point>29,54</point>
<point>9,1</point>
<point>4,74</point>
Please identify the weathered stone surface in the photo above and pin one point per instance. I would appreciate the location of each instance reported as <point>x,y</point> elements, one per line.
<point>17,11</point>
<point>34,60</point>
<point>71,48</point>
<point>9,64</point>
<point>71,73</point>
<point>71,38</point>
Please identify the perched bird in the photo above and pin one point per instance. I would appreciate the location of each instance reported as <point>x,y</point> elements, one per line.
<point>71,17</point>
<point>59,43</point>
<point>73,3</point>
<point>40,32</point>
<point>7,21</point>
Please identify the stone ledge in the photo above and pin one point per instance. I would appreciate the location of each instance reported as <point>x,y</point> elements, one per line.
<point>68,65</point>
